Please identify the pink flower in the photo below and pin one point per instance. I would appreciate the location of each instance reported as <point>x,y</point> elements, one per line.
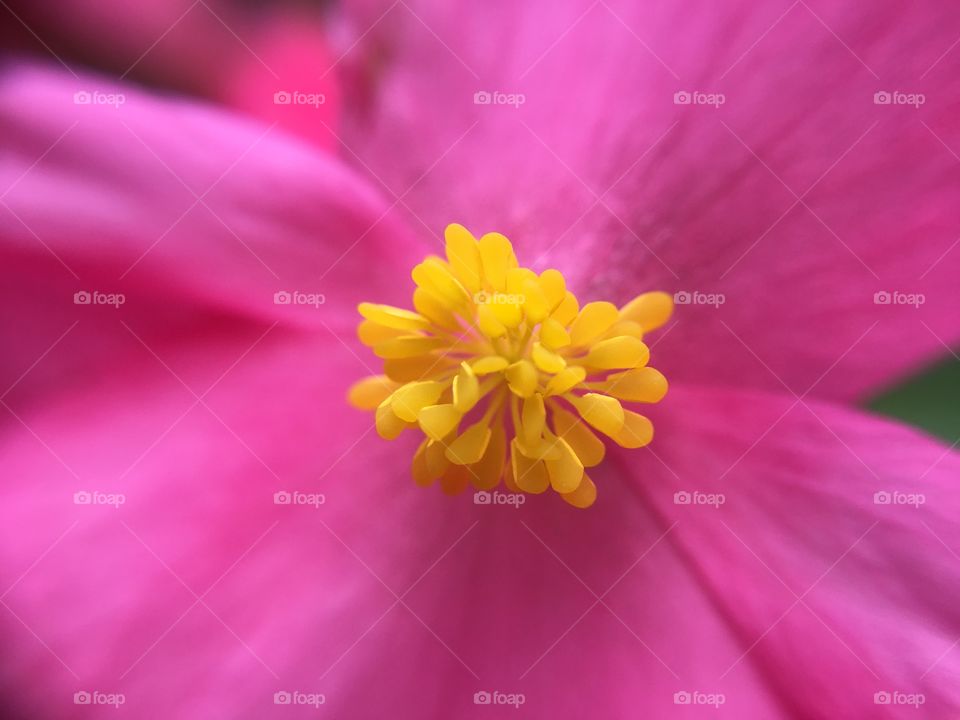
<point>772,554</point>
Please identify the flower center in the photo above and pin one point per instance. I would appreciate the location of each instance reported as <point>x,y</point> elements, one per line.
<point>506,375</point>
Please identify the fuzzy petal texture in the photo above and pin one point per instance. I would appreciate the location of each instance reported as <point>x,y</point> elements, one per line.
<point>797,199</point>
<point>204,594</point>
<point>199,596</point>
<point>163,197</point>
<point>287,76</point>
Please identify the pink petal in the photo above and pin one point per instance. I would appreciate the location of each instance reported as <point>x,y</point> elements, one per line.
<point>175,204</point>
<point>493,599</point>
<point>600,173</point>
<point>827,574</point>
<point>280,65</point>
<point>116,598</point>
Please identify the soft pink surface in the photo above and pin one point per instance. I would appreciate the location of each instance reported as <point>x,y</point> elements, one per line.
<point>305,607</point>
<point>599,170</point>
<point>199,398</point>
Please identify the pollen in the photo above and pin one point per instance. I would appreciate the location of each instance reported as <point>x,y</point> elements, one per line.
<point>506,376</point>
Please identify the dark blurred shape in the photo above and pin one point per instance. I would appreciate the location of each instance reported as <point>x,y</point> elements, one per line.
<point>930,401</point>
<point>247,54</point>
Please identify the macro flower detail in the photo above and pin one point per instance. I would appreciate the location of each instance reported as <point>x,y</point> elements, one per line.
<point>778,551</point>
<point>506,375</point>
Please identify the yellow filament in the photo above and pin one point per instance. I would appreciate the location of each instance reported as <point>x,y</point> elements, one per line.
<point>508,378</point>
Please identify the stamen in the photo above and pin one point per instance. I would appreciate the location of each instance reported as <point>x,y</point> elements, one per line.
<point>511,356</point>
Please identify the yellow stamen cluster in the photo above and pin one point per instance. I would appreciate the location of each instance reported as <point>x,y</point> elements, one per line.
<point>505,374</point>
